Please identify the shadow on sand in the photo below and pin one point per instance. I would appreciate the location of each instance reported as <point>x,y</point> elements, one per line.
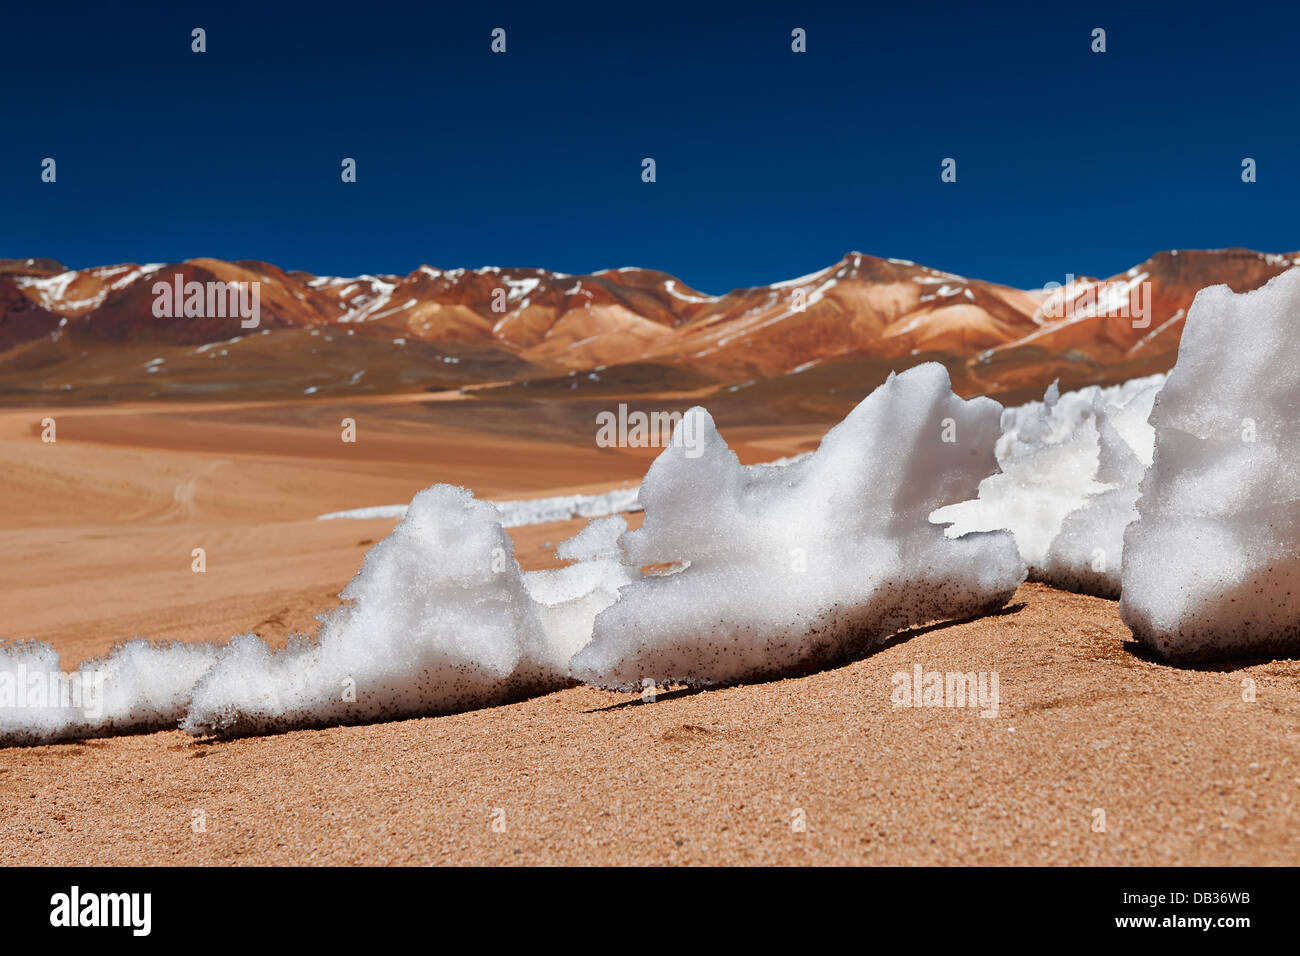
<point>854,651</point>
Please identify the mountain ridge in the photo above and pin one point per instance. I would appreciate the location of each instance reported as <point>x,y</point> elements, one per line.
<point>534,324</point>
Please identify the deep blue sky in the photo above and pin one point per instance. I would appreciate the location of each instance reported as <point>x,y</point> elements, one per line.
<point>770,164</point>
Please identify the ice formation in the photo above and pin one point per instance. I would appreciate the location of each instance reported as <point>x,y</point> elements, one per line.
<point>569,598</point>
<point>1067,411</point>
<point>1212,564</point>
<point>1086,554</point>
<point>526,511</point>
<point>781,569</point>
<point>1044,476</point>
<point>1070,467</point>
<point>139,686</point>
<point>439,620</point>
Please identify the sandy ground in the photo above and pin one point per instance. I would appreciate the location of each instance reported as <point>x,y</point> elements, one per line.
<point>96,533</point>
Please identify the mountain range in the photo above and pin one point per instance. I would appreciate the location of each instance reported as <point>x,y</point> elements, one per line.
<point>92,334</point>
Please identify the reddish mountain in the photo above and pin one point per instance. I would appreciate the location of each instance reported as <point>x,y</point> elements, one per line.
<point>1092,343</point>
<point>85,334</point>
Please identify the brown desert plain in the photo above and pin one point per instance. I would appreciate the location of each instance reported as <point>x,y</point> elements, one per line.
<point>96,533</point>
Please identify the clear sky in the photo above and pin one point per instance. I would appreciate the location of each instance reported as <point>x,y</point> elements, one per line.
<point>770,164</point>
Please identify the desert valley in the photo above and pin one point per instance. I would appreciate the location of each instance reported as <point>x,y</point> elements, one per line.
<point>177,434</point>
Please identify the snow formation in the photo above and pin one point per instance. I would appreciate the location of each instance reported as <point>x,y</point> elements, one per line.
<point>1070,467</point>
<point>775,570</point>
<point>439,620</point>
<point>569,598</point>
<point>139,686</point>
<point>1212,563</point>
<point>1086,554</point>
<point>526,511</point>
